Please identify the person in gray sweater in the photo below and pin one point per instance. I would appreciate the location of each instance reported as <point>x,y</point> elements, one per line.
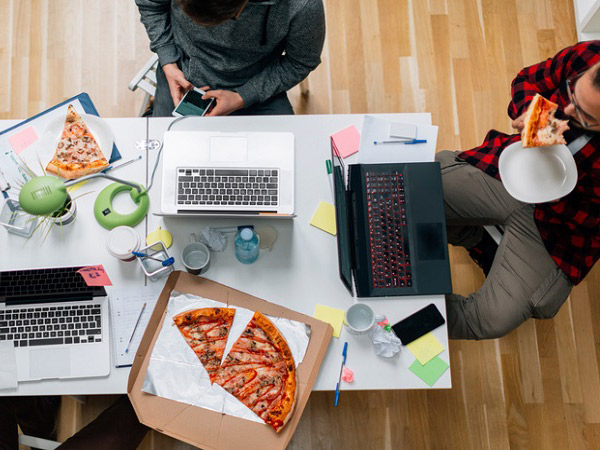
<point>245,53</point>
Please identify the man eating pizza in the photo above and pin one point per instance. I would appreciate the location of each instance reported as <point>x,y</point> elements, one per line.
<point>245,53</point>
<point>546,248</point>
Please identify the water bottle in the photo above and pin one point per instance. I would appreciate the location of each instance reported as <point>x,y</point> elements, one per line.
<point>246,246</point>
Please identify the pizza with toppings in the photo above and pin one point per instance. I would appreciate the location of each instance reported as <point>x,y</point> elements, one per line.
<point>77,153</point>
<point>206,331</point>
<point>540,127</point>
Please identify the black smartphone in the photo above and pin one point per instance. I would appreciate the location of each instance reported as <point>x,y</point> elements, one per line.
<point>418,324</point>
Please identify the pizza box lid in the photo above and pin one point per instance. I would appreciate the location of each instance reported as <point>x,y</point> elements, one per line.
<point>202,427</point>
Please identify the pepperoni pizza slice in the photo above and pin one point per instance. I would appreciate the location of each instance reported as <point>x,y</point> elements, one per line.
<point>206,331</point>
<point>260,372</point>
<point>77,153</point>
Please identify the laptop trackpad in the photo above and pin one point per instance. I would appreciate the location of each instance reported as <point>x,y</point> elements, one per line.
<point>430,241</point>
<point>49,363</point>
<point>228,148</point>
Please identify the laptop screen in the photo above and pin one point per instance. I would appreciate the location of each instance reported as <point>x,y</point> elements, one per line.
<point>341,219</point>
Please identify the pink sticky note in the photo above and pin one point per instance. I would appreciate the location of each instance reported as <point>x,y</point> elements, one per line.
<point>95,276</point>
<point>22,139</point>
<point>346,141</point>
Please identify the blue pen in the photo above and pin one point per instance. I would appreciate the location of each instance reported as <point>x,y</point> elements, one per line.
<point>337,387</point>
<point>412,141</point>
<point>166,262</point>
<point>416,141</point>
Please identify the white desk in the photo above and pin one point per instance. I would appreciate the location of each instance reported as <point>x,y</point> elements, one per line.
<point>300,272</point>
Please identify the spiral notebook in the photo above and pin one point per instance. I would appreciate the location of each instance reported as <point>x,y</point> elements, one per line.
<point>125,306</point>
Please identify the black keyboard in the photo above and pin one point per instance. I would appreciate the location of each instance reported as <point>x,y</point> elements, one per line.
<point>54,325</point>
<point>214,187</point>
<point>55,283</point>
<point>388,230</point>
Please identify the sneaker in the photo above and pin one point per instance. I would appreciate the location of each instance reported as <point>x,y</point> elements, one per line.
<point>484,252</point>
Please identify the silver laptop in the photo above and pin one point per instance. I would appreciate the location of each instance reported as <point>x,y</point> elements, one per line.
<point>57,324</point>
<point>228,174</point>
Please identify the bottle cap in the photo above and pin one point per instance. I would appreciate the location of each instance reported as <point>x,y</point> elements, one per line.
<point>246,234</point>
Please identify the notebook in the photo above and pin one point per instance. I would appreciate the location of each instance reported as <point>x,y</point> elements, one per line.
<point>124,307</point>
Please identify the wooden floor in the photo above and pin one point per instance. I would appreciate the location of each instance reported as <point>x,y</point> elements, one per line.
<point>537,388</point>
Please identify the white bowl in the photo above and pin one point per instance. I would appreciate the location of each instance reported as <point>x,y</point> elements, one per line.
<point>537,174</point>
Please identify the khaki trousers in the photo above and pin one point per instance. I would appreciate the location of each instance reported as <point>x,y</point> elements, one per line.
<point>524,280</point>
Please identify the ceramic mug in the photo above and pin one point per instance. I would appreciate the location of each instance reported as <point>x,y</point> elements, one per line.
<point>196,256</point>
<point>360,319</point>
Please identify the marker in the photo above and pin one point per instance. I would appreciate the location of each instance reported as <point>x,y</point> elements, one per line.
<point>337,387</point>
<point>412,141</point>
<point>135,328</point>
<point>164,263</point>
<point>329,168</point>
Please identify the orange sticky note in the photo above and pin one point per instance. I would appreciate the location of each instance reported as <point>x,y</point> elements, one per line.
<point>346,141</point>
<point>95,276</point>
<point>22,139</point>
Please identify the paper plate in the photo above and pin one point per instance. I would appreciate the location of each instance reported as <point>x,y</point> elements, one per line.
<point>43,150</point>
<point>537,174</point>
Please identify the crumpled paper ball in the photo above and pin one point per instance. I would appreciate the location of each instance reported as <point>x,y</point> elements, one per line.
<point>213,239</point>
<point>386,344</point>
<point>347,375</point>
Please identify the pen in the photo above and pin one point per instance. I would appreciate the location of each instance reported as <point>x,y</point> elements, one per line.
<point>329,168</point>
<point>135,328</point>
<point>412,141</point>
<point>165,262</point>
<point>337,387</point>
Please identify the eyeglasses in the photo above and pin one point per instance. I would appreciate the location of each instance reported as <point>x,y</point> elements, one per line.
<point>580,113</point>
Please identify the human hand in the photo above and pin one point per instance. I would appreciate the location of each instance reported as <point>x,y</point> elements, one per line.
<point>226,102</point>
<point>178,85</point>
<point>519,122</point>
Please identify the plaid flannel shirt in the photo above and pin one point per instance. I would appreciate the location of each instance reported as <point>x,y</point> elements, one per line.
<point>570,226</point>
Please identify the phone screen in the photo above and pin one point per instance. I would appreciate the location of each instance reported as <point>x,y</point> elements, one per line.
<point>193,105</point>
<point>418,324</point>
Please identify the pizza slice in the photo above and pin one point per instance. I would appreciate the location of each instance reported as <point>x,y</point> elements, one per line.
<point>206,331</point>
<point>260,372</point>
<point>541,128</point>
<point>77,153</point>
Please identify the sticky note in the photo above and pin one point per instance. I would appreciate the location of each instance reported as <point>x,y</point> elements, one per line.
<point>8,368</point>
<point>77,186</point>
<point>431,371</point>
<point>324,218</point>
<point>22,139</point>
<point>95,276</point>
<point>425,348</point>
<point>333,316</point>
<point>346,141</point>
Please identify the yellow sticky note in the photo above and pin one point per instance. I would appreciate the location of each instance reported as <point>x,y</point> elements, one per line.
<point>333,316</point>
<point>76,186</point>
<point>324,218</point>
<point>425,348</point>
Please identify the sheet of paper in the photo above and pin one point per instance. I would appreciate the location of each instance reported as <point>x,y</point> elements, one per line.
<point>324,218</point>
<point>376,129</point>
<point>346,141</point>
<point>403,130</point>
<point>125,306</point>
<point>8,368</point>
<point>431,371</point>
<point>425,348</point>
<point>176,373</point>
<point>22,139</point>
<point>333,316</point>
<point>95,276</point>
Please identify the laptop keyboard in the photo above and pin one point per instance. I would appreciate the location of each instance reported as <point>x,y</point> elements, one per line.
<point>388,230</point>
<point>53,325</point>
<point>230,187</point>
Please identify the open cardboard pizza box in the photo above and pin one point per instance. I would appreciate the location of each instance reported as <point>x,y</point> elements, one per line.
<point>202,427</point>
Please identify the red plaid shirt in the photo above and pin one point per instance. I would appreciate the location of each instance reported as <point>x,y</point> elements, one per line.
<point>570,226</point>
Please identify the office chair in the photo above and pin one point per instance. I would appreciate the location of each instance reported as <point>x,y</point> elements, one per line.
<point>145,79</point>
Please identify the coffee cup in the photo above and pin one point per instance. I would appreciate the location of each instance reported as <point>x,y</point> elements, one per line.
<point>360,319</point>
<point>122,241</point>
<point>196,257</point>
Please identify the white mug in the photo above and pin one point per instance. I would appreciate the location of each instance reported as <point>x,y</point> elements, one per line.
<point>360,319</point>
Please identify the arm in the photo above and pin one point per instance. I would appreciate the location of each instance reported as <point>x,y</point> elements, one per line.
<point>156,17</point>
<point>545,77</point>
<point>303,47</point>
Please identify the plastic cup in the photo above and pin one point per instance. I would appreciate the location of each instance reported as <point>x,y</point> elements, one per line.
<point>122,241</point>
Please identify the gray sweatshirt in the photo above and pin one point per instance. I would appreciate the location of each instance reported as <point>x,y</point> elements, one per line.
<point>270,48</point>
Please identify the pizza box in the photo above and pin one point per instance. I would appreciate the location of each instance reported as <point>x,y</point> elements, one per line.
<point>202,427</point>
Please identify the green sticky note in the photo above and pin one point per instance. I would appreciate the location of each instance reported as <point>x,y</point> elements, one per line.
<point>431,371</point>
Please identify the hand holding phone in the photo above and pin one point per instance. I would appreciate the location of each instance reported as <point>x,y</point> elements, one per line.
<point>418,324</point>
<point>192,104</point>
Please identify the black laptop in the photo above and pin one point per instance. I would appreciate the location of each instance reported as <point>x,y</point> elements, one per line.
<point>391,228</point>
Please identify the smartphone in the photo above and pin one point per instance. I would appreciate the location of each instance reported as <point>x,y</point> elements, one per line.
<point>418,324</point>
<point>192,104</point>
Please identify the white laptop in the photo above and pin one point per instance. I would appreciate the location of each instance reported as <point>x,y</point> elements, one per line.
<point>226,174</point>
<point>57,324</point>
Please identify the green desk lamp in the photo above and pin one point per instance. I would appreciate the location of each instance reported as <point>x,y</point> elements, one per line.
<point>42,196</point>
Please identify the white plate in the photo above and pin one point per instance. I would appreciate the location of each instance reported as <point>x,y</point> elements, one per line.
<point>537,174</point>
